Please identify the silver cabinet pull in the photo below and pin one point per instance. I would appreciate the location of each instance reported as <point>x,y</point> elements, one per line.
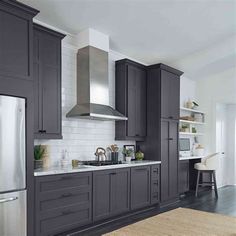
<point>3,200</point>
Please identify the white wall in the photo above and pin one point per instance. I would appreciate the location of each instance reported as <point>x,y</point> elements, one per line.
<point>215,90</point>
<point>209,92</point>
<point>187,90</point>
<point>81,137</point>
<point>230,157</point>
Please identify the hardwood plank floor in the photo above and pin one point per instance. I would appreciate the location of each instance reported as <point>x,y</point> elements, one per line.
<point>206,201</point>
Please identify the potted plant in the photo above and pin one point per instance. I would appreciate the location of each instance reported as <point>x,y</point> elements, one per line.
<point>139,155</point>
<point>128,152</point>
<point>38,156</point>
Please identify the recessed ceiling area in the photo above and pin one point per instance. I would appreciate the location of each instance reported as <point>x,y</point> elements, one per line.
<point>150,31</point>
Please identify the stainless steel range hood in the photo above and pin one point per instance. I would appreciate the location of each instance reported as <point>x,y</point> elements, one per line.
<point>93,87</point>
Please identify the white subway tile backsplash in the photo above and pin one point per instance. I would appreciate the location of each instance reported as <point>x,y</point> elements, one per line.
<point>81,137</point>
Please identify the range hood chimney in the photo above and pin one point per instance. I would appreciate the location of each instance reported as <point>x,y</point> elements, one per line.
<point>92,84</point>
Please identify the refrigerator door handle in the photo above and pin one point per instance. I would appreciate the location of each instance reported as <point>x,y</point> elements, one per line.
<point>3,200</point>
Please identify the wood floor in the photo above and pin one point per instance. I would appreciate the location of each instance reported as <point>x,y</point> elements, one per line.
<point>206,201</point>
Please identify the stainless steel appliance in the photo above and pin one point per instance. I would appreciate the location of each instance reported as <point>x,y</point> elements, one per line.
<point>93,87</point>
<point>12,167</point>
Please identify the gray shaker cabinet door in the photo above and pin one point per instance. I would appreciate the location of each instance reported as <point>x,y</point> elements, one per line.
<point>120,191</point>
<point>140,187</point>
<point>101,195</point>
<point>15,45</point>
<point>47,83</point>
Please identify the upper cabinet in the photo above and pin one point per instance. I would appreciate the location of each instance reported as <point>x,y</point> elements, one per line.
<point>131,100</point>
<point>170,93</point>
<point>47,83</point>
<point>16,39</point>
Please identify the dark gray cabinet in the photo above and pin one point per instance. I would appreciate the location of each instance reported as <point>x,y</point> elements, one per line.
<point>183,176</point>
<point>169,155</point>
<point>111,189</point>
<point>131,100</point>
<point>155,184</point>
<point>161,143</point>
<point>170,85</point>
<point>47,83</point>
<point>62,202</point>
<point>67,201</point>
<point>16,40</point>
<point>140,187</point>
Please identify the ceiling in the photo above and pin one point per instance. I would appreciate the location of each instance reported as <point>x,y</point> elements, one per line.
<point>151,31</point>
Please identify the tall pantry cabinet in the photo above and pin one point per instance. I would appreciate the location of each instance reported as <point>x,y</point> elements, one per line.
<point>161,143</point>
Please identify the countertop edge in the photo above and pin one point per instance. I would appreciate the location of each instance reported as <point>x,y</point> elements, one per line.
<point>57,170</point>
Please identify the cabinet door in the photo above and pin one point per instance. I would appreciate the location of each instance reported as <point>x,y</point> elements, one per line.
<point>101,194</point>
<point>47,84</point>
<point>37,85</point>
<point>51,84</point>
<point>131,106</point>
<point>164,160</point>
<point>15,45</point>
<point>183,176</point>
<point>141,111</point>
<point>170,85</point>
<point>120,191</point>
<point>140,187</point>
<point>173,159</point>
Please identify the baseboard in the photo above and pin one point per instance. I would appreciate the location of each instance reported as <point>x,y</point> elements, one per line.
<point>170,202</point>
<point>108,221</point>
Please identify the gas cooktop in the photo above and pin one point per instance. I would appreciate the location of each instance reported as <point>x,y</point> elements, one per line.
<point>100,163</point>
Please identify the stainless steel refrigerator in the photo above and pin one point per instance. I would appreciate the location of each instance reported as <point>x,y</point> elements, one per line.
<point>12,167</point>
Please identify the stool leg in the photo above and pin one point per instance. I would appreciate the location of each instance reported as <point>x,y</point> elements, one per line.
<point>198,177</point>
<point>215,186</point>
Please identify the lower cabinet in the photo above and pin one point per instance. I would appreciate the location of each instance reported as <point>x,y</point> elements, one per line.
<point>140,187</point>
<point>62,202</point>
<point>65,202</point>
<point>110,193</point>
<point>183,176</point>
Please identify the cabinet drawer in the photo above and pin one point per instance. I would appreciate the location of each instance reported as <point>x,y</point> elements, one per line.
<point>62,198</point>
<point>155,186</point>
<point>154,198</point>
<point>63,219</point>
<point>67,181</point>
<point>155,172</point>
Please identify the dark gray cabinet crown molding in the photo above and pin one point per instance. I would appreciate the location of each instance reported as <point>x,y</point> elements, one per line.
<point>166,68</point>
<point>49,31</point>
<point>12,5</point>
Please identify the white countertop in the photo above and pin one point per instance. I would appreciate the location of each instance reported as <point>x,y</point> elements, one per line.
<point>190,158</point>
<point>84,168</point>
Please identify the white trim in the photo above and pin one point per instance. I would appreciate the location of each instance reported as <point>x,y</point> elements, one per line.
<point>192,122</point>
<point>191,134</point>
<point>191,110</point>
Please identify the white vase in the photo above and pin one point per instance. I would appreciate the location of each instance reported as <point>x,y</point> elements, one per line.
<point>128,159</point>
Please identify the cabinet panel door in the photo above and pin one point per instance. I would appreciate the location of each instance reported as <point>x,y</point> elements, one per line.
<point>51,99</point>
<point>101,194</point>
<point>164,160</point>
<point>140,187</point>
<point>131,108</point>
<point>120,191</point>
<point>141,110</point>
<point>173,159</point>
<point>183,176</point>
<point>15,45</point>
<point>38,124</point>
<point>169,95</point>
<point>174,92</point>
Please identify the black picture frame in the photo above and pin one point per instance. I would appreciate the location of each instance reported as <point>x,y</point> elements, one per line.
<point>127,146</point>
